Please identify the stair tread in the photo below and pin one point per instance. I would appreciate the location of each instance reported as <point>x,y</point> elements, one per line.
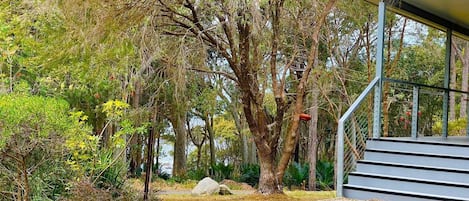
<point>402,193</point>
<point>418,153</point>
<point>417,141</point>
<point>417,180</point>
<point>423,167</point>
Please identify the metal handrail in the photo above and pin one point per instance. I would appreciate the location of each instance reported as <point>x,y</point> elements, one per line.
<point>340,133</point>
<point>424,85</point>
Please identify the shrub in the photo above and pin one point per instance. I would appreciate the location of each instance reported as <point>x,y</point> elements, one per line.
<point>325,175</point>
<point>222,171</point>
<point>33,130</point>
<point>196,174</point>
<point>250,174</point>
<point>297,174</point>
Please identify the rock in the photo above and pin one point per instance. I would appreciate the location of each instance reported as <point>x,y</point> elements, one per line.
<point>206,186</point>
<point>225,190</point>
<point>242,186</point>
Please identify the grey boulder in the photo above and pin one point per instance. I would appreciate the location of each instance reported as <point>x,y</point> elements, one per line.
<point>225,190</point>
<point>206,186</point>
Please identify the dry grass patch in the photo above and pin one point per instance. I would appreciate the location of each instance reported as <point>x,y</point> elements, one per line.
<point>288,196</point>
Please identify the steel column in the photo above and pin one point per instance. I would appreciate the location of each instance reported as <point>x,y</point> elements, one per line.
<point>340,159</point>
<point>379,70</point>
<point>415,111</point>
<point>447,83</point>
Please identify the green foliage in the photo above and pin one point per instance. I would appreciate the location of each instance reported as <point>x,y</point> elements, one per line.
<point>82,144</point>
<point>33,117</point>
<point>224,129</point>
<point>113,172</point>
<point>297,174</point>
<point>33,130</point>
<point>456,127</point>
<point>222,171</point>
<point>114,109</point>
<point>325,175</point>
<point>250,174</point>
<point>196,174</point>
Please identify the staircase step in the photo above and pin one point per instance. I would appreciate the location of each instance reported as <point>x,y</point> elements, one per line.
<point>406,184</point>
<point>419,146</point>
<point>367,193</point>
<point>421,159</point>
<point>414,171</point>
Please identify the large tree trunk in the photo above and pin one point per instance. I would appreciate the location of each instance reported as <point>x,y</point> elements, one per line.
<point>267,179</point>
<point>179,162</point>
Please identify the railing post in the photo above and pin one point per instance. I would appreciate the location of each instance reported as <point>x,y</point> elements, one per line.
<point>467,119</point>
<point>415,111</point>
<point>340,159</point>
<point>354,139</point>
<point>447,82</point>
<point>379,70</point>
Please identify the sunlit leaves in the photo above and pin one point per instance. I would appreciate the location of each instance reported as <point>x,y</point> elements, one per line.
<point>114,109</point>
<point>224,129</point>
<point>32,116</point>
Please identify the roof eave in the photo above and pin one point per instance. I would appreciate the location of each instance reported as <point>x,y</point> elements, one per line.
<point>422,16</point>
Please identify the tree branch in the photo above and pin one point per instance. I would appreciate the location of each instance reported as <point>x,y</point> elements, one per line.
<point>222,73</point>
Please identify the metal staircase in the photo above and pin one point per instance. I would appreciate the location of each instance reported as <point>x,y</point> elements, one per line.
<point>399,168</point>
<point>408,169</point>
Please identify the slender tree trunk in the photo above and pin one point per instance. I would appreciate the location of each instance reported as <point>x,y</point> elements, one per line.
<point>465,78</point>
<point>391,65</point>
<point>252,153</point>
<point>149,163</point>
<point>199,156</point>
<point>211,136</point>
<point>179,162</point>
<point>453,85</point>
<point>157,157</point>
<point>244,139</point>
<point>244,148</point>
<point>313,139</point>
<point>136,143</point>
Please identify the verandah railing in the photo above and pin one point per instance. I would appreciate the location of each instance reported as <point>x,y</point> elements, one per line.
<point>355,126</point>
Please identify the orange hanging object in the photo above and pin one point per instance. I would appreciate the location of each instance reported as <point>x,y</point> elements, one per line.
<point>305,117</point>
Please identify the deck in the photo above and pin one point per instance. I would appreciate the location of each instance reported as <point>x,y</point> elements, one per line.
<point>462,140</point>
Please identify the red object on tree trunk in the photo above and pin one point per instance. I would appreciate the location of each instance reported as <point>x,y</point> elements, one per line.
<point>305,117</point>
